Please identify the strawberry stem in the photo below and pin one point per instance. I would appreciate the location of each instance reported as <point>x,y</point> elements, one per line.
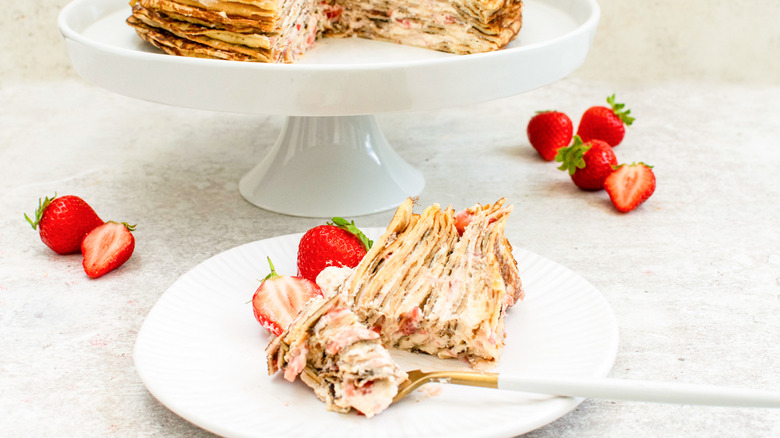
<point>352,228</point>
<point>273,273</point>
<point>42,204</point>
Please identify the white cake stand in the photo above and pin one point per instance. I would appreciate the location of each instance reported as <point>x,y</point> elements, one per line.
<point>331,158</point>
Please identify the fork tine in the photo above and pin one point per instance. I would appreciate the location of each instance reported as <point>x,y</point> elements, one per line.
<point>412,382</point>
<point>418,378</point>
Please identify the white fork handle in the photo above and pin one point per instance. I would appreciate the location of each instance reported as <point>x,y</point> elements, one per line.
<point>645,391</point>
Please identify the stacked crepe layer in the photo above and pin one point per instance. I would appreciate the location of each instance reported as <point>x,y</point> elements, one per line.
<point>282,30</point>
<point>353,370</point>
<point>454,26</point>
<point>242,30</point>
<point>426,288</point>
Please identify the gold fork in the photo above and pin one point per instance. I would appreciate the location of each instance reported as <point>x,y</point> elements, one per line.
<point>579,387</point>
<point>599,388</point>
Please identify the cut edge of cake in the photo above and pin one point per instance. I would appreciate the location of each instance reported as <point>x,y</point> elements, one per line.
<point>425,287</point>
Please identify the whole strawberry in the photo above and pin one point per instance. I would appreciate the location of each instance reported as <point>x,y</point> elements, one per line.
<point>549,131</point>
<point>630,185</point>
<point>588,164</point>
<point>279,299</point>
<point>339,243</point>
<point>107,247</point>
<point>63,222</point>
<point>605,123</point>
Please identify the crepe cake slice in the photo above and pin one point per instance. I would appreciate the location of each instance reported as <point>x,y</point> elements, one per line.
<point>454,26</point>
<point>426,288</point>
<point>262,31</point>
<point>352,370</point>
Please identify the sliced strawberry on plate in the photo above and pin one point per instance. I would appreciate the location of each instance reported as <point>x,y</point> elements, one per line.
<point>280,297</point>
<point>339,243</point>
<point>62,222</point>
<point>107,247</point>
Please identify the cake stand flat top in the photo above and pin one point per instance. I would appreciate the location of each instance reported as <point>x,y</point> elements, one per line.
<point>338,76</point>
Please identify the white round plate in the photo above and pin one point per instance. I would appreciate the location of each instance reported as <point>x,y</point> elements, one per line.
<point>338,77</point>
<point>200,352</point>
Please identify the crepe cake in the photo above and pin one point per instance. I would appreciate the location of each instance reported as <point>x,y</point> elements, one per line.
<point>281,31</point>
<point>351,369</point>
<point>439,283</point>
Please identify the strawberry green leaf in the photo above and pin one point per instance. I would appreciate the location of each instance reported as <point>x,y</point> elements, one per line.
<point>571,157</point>
<point>128,226</point>
<point>617,108</point>
<point>618,166</point>
<point>352,228</point>
<point>42,204</point>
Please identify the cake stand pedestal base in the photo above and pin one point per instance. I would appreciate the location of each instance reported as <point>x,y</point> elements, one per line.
<point>331,166</point>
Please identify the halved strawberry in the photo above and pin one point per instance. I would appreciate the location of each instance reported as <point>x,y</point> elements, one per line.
<point>280,297</point>
<point>339,243</point>
<point>107,247</point>
<point>630,185</point>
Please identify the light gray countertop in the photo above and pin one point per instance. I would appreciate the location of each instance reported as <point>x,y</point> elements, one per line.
<point>693,275</point>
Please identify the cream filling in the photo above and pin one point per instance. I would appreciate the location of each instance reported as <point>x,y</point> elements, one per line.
<point>369,378</point>
<point>435,25</point>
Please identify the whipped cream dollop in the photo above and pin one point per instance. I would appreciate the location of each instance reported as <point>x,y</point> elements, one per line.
<point>332,278</point>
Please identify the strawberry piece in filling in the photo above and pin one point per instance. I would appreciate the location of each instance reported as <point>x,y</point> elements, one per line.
<point>297,363</point>
<point>348,336</point>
